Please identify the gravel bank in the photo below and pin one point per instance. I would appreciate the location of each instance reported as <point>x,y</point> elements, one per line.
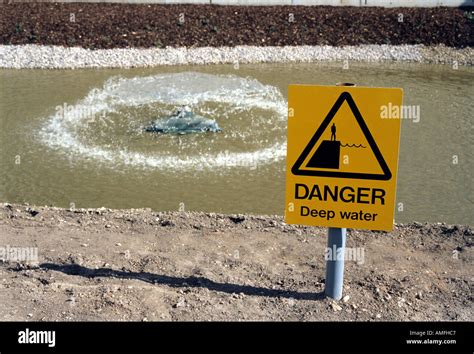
<point>107,26</point>
<point>56,57</point>
<point>141,265</point>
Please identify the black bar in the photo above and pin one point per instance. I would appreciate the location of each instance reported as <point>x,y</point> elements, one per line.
<point>247,336</point>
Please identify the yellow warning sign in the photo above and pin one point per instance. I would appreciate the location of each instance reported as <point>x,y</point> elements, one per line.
<point>342,158</point>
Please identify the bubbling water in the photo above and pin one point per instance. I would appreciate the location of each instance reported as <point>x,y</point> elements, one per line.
<point>108,124</point>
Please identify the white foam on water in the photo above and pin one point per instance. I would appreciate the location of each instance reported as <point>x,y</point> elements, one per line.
<point>62,131</point>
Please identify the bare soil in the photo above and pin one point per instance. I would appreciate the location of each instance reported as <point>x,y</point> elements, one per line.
<point>141,265</point>
<point>105,25</point>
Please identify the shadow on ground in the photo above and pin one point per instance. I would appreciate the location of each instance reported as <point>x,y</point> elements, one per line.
<point>177,282</point>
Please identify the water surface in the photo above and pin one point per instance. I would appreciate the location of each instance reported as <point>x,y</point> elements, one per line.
<point>76,136</point>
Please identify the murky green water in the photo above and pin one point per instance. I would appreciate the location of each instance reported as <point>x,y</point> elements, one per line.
<point>76,137</point>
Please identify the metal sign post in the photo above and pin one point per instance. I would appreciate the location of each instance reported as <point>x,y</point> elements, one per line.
<point>335,263</point>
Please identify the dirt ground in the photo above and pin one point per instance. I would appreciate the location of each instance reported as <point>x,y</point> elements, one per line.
<point>140,265</point>
<point>150,25</point>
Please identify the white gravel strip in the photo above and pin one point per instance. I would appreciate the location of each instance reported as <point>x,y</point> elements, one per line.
<point>57,57</point>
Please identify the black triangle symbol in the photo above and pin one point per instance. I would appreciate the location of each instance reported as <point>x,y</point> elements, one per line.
<point>297,167</point>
